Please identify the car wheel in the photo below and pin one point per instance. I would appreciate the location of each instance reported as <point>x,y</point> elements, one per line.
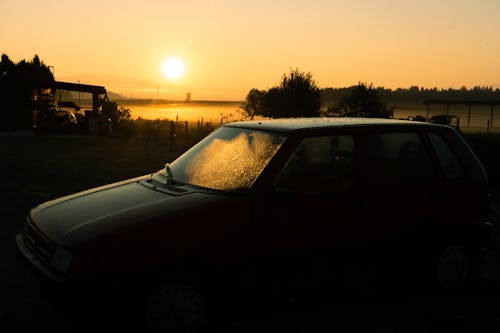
<point>453,267</point>
<point>175,307</point>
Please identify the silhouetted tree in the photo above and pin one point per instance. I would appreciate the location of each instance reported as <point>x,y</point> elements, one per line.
<point>6,66</point>
<point>300,95</point>
<point>296,96</point>
<point>254,103</point>
<point>274,103</point>
<point>17,86</point>
<point>118,118</point>
<point>363,101</point>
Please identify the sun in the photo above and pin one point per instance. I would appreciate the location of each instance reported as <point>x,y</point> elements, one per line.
<point>173,68</point>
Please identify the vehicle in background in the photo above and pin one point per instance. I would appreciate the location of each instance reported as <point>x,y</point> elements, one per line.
<point>442,119</point>
<point>445,119</point>
<point>57,119</point>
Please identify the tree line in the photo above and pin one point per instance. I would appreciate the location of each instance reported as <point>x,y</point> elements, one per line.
<point>297,95</point>
<point>416,95</point>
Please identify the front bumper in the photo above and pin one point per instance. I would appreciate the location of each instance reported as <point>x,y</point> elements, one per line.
<point>36,266</point>
<point>56,290</point>
<point>71,298</point>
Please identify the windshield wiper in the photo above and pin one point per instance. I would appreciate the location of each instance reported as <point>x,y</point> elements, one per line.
<point>169,171</point>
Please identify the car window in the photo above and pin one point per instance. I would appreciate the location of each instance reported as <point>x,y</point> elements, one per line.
<point>319,165</point>
<point>229,159</point>
<point>448,160</point>
<point>398,160</point>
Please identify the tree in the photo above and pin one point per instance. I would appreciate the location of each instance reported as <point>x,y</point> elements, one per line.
<point>300,95</point>
<point>254,103</point>
<point>362,101</point>
<point>296,96</point>
<point>118,118</point>
<point>274,103</point>
<point>7,67</point>
<point>18,82</point>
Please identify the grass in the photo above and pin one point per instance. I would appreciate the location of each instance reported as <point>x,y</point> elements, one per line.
<point>40,168</point>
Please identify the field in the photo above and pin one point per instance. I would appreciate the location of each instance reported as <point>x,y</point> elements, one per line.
<point>206,111</point>
<point>39,168</point>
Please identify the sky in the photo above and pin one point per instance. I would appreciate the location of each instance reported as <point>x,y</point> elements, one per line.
<point>229,47</point>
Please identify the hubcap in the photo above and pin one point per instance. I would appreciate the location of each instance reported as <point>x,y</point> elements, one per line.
<point>452,267</point>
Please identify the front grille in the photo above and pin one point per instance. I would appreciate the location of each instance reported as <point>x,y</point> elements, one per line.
<point>41,246</point>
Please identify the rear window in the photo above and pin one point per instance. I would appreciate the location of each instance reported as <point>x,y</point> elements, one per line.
<point>448,160</point>
<point>399,160</point>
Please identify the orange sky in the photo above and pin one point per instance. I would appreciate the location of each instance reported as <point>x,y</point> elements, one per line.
<point>230,47</point>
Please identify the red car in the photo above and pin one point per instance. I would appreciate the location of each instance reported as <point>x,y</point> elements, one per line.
<point>294,203</point>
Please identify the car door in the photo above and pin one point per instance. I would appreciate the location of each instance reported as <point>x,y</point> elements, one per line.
<point>454,196</point>
<point>310,212</point>
<point>398,202</point>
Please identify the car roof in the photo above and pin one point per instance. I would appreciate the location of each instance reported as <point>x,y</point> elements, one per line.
<point>293,124</point>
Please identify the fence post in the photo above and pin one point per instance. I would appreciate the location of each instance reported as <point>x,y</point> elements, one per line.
<point>468,114</point>
<point>491,115</point>
<point>171,131</point>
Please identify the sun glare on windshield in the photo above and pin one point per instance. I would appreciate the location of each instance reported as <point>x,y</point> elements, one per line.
<point>230,163</point>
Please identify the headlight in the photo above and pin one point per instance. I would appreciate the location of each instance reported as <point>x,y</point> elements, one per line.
<point>61,258</point>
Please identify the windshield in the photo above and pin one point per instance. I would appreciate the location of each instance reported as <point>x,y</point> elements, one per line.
<point>229,159</point>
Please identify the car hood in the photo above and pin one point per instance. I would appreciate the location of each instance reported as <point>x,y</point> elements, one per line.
<point>78,218</point>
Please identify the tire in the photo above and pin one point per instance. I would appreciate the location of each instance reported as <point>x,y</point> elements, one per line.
<point>175,307</point>
<point>454,266</point>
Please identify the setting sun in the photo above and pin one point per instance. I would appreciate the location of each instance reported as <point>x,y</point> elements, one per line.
<point>173,68</point>
<point>220,52</point>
